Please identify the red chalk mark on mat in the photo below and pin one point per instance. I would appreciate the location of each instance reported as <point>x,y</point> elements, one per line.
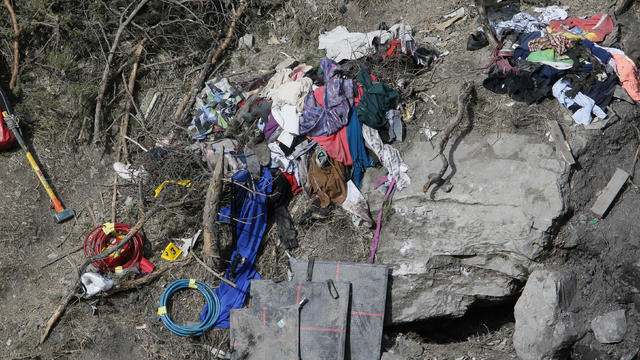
<point>366,314</point>
<point>321,329</point>
<point>239,344</point>
<point>338,271</point>
<point>298,296</point>
<point>284,340</point>
<point>264,317</point>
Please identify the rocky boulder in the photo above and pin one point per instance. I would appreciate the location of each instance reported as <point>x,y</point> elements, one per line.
<point>611,327</point>
<point>544,329</point>
<point>477,241</point>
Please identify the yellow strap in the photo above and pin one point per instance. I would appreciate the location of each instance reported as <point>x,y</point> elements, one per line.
<point>108,228</point>
<point>162,310</point>
<point>185,183</point>
<point>192,284</point>
<point>118,269</point>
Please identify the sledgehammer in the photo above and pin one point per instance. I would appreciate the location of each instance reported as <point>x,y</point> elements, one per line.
<point>61,214</point>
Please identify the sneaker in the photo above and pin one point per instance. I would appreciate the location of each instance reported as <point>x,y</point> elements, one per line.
<point>508,46</point>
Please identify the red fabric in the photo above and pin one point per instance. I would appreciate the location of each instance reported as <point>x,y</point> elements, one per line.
<point>7,139</point>
<point>360,91</point>
<point>395,44</point>
<point>587,25</point>
<point>336,146</point>
<point>295,188</point>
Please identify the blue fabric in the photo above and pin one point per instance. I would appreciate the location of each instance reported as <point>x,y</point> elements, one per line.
<point>548,73</point>
<point>602,54</point>
<point>252,209</point>
<point>225,215</point>
<point>522,51</point>
<point>359,155</point>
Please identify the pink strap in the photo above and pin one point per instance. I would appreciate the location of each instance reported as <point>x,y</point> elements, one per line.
<point>376,236</point>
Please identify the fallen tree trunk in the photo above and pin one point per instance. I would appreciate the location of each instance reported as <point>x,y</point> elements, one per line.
<point>210,212</point>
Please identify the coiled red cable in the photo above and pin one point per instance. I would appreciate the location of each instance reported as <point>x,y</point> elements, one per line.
<point>96,242</point>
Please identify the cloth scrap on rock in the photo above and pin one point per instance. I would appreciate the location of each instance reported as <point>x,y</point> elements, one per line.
<point>341,44</point>
<point>584,104</point>
<point>388,155</point>
<point>376,99</point>
<point>333,113</point>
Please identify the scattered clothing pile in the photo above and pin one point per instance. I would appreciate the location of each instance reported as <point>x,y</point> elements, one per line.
<point>311,130</point>
<point>556,55</point>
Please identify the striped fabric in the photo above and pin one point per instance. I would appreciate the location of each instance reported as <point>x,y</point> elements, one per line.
<point>559,43</point>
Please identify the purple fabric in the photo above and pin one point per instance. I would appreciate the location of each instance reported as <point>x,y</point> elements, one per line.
<point>325,120</point>
<point>270,127</point>
<point>376,236</point>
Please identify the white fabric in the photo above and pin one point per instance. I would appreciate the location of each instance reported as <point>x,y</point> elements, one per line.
<point>280,77</point>
<point>587,104</point>
<point>341,44</point>
<point>388,155</point>
<point>552,13</point>
<point>291,93</point>
<point>403,33</point>
<point>356,204</point>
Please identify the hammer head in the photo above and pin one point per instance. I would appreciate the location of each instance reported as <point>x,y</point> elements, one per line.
<point>64,215</point>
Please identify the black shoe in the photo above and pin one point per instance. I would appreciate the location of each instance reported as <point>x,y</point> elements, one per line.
<point>477,40</point>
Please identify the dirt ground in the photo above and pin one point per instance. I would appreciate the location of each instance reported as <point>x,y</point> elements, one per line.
<point>126,325</point>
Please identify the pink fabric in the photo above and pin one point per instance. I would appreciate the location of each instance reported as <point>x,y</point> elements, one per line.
<point>335,144</point>
<point>595,29</point>
<point>628,74</point>
<point>376,236</point>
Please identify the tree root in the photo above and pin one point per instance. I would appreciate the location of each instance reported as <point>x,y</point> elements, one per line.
<point>16,46</point>
<point>466,94</point>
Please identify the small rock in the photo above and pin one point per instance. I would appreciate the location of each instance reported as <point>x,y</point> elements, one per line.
<point>246,41</point>
<point>128,202</point>
<point>431,40</point>
<point>273,40</point>
<point>52,256</point>
<point>391,356</point>
<point>408,348</point>
<point>9,342</point>
<point>611,327</point>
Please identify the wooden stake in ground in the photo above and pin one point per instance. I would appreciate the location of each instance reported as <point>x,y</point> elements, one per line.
<point>105,74</point>
<point>16,46</point>
<point>466,93</point>
<point>212,58</point>
<point>210,212</point>
<point>134,230</point>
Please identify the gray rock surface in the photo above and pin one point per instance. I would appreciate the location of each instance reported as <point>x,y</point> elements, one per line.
<point>611,327</point>
<point>477,241</point>
<point>544,329</point>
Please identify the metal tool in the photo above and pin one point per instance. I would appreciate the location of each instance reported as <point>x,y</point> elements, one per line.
<point>61,214</point>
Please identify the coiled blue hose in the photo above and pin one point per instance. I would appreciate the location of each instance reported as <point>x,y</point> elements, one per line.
<point>213,304</point>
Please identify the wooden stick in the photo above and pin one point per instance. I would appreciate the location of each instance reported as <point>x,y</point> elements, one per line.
<point>137,143</point>
<point>463,99</point>
<point>107,68</point>
<point>212,58</point>
<point>122,144</point>
<point>210,211</point>
<point>134,230</point>
<point>62,257</point>
<point>216,274</point>
<point>16,46</point>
